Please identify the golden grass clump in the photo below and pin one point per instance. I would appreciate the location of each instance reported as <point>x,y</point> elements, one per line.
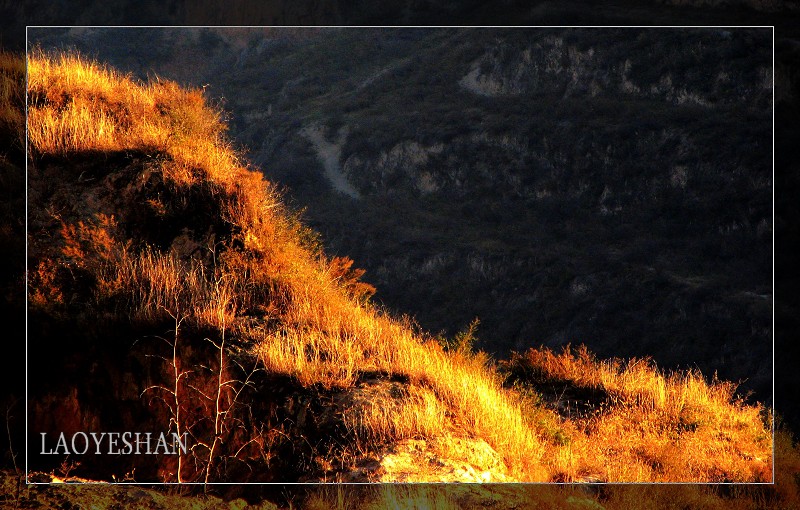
<point>651,426</point>
<point>76,105</point>
<point>12,100</point>
<point>384,418</point>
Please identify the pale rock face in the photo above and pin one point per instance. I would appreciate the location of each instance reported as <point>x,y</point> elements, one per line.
<point>484,85</point>
<point>679,176</point>
<point>501,72</point>
<point>469,461</point>
<point>408,157</point>
<point>552,64</point>
<point>330,154</point>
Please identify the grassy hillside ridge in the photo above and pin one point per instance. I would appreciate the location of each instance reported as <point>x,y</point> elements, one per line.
<point>321,336</point>
<point>631,409</point>
<point>145,225</point>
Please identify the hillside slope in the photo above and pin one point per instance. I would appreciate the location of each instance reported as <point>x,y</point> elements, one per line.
<point>604,186</point>
<point>170,291</point>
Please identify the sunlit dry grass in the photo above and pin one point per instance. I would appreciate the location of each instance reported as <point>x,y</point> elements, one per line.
<point>80,105</point>
<point>655,426</point>
<point>784,495</point>
<point>333,341</point>
<point>419,412</point>
<point>316,329</point>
